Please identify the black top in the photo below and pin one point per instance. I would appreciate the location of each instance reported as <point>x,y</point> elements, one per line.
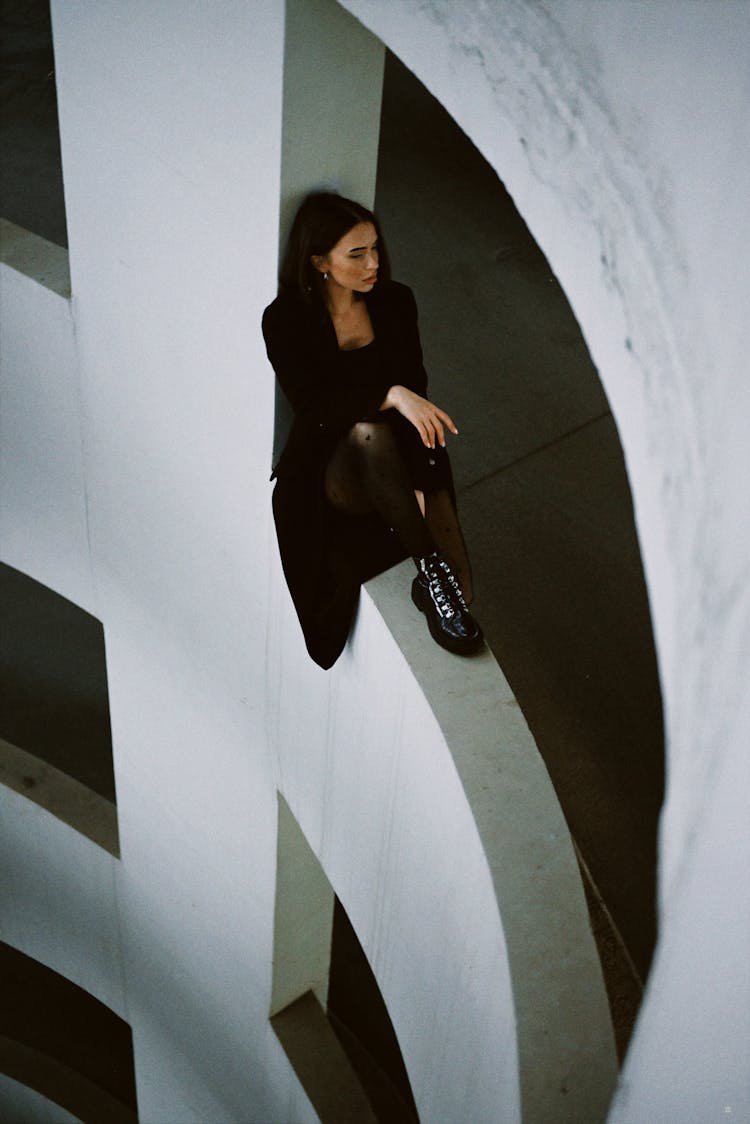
<point>325,555</point>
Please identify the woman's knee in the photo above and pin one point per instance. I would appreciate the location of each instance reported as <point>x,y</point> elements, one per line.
<point>364,432</point>
<point>373,440</point>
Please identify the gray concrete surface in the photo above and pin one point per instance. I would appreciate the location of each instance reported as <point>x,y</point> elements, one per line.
<point>543,496</point>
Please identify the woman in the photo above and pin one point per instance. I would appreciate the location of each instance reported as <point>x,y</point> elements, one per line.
<point>364,477</point>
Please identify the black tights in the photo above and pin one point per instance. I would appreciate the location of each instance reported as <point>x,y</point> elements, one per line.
<point>366,472</point>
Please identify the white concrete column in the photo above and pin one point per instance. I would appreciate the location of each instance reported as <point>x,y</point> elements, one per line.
<point>170,121</point>
<point>333,82</point>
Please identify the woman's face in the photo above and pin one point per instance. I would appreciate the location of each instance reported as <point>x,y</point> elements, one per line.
<point>353,261</point>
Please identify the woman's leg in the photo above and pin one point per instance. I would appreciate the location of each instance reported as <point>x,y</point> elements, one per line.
<point>445,529</point>
<point>366,472</point>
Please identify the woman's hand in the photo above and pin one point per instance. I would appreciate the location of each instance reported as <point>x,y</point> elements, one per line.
<point>427,418</point>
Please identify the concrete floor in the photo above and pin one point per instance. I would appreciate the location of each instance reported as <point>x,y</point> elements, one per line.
<point>545,505</point>
<point>542,488</point>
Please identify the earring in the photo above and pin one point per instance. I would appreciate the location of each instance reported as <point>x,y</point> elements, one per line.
<point>325,276</point>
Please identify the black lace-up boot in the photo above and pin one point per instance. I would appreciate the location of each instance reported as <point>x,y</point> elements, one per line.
<point>437,594</point>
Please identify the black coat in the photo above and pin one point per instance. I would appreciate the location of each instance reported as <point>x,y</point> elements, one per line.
<point>326,556</point>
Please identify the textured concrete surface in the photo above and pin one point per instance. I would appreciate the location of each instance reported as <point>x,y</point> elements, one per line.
<point>562,1019</point>
<point>542,491</point>
<point>622,131</point>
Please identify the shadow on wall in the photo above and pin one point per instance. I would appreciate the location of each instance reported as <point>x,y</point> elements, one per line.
<point>545,503</point>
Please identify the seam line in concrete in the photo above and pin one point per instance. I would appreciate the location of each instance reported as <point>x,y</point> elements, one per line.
<point>535,452</point>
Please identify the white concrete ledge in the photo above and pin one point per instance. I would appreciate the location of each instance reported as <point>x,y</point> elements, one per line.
<point>43,520</point>
<point>70,1091</point>
<point>418,786</point>
<point>35,257</point>
<point>72,802</point>
<point>566,1050</point>
<point>22,1104</point>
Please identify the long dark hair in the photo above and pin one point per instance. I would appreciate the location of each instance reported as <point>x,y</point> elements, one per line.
<point>321,221</point>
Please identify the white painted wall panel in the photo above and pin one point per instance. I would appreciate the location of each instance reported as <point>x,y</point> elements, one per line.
<point>391,825</point>
<point>42,497</point>
<point>170,122</point>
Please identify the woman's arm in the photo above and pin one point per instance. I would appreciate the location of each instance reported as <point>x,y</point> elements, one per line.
<point>427,418</point>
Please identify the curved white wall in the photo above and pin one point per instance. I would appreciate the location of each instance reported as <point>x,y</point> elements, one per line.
<point>622,132</point>
<point>373,762</point>
<point>43,527</point>
<point>171,124</point>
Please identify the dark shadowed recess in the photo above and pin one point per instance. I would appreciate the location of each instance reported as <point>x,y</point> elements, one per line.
<point>31,183</point>
<point>61,1041</point>
<point>53,681</point>
<point>359,1017</point>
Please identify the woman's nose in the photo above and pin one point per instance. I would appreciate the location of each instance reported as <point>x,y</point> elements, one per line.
<point>372,259</point>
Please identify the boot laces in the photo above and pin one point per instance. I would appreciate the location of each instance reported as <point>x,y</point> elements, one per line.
<point>444,589</point>
<point>453,581</point>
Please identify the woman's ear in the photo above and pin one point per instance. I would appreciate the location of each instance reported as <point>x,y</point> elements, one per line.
<point>319,262</point>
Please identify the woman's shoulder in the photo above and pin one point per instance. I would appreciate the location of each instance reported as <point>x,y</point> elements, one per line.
<point>289,317</point>
<point>394,297</point>
<point>285,308</point>
<point>289,313</point>
<point>394,292</point>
